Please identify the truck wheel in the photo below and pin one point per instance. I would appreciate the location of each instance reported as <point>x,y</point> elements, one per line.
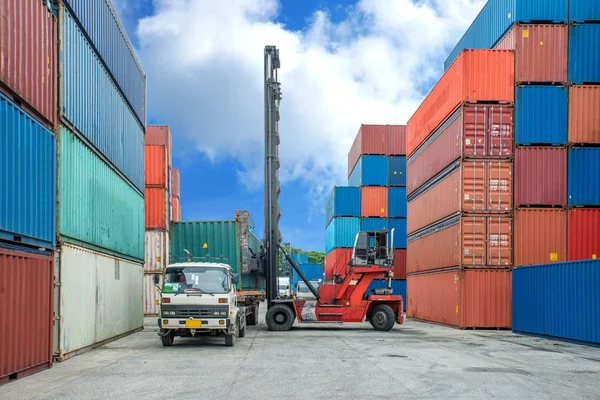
<point>168,339</point>
<point>280,318</point>
<point>230,339</point>
<point>383,318</point>
<point>252,318</point>
<point>242,330</point>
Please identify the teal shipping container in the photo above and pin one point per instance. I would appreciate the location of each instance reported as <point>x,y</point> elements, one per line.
<point>98,209</point>
<point>299,258</point>
<point>397,171</point>
<point>584,53</point>
<point>341,232</point>
<point>370,171</point>
<point>92,105</point>
<point>373,224</point>
<point>397,204</point>
<point>583,181</point>
<point>399,226</point>
<point>584,11</point>
<point>344,201</point>
<point>542,115</point>
<point>27,178</point>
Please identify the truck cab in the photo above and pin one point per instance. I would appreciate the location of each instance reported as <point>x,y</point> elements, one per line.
<point>200,297</point>
<point>284,288</point>
<point>302,291</point>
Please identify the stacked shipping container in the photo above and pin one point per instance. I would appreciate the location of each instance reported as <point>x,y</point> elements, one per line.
<point>460,188</point>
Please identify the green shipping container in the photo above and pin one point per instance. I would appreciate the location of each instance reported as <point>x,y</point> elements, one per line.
<point>98,209</point>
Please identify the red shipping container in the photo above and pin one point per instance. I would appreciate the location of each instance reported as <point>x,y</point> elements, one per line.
<point>157,208</point>
<point>336,262</point>
<point>463,241</point>
<point>541,52</point>
<point>541,176</point>
<point>474,130</point>
<point>396,140</point>
<point>540,236</point>
<point>156,169</point>
<point>28,57</point>
<point>584,234</point>
<point>584,118</point>
<point>465,299</point>
<point>370,139</point>
<point>160,136</point>
<point>176,209</point>
<point>399,264</point>
<point>374,201</point>
<point>176,182</point>
<point>475,76</point>
<point>476,186</point>
<point>26,291</point>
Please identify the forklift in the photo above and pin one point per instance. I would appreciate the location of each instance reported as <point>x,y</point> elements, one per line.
<point>346,297</point>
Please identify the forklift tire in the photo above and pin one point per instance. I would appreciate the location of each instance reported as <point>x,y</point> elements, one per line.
<point>168,339</point>
<point>382,318</point>
<point>280,318</point>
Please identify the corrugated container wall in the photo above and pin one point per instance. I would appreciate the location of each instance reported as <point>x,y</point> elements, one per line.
<point>541,115</point>
<point>335,261</point>
<point>584,53</point>
<point>176,183</point>
<point>156,168</point>
<point>476,75</point>
<point>370,171</point>
<point>373,224</point>
<point>27,178</point>
<point>396,140</point>
<point>176,209</point>
<point>583,177</point>
<point>101,298</point>
<point>157,206</point>
<point>396,171</point>
<point>536,309</point>
<point>472,131</point>
<point>370,139</point>
<point>399,226</point>
<point>398,288</point>
<point>151,294</point>
<point>156,250</point>
<point>540,52</point>
<point>400,265</point>
<point>103,26</point>
<point>497,16</point>
<point>584,10</point>
<point>584,118</point>
<point>89,96</point>
<point>397,202</point>
<point>540,236</point>
<point>312,271</point>
<point>160,135</point>
<point>25,290</point>
<point>341,232</point>
<point>97,207</point>
<point>465,299</point>
<point>374,201</point>
<point>299,258</point>
<point>343,202</point>
<point>28,54</point>
<point>584,235</point>
<point>541,176</point>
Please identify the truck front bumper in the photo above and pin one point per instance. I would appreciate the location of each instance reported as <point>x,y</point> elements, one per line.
<point>206,323</point>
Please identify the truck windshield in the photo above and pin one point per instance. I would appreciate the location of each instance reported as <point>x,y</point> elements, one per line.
<point>196,280</point>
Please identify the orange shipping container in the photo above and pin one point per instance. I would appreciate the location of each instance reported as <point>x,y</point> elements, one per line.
<point>475,76</point>
<point>374,201</point>
<point>156,169</point>
<point>399,264</point>
<point>584,118</point>
<point>176,182</point>
<point>370,139</point>
<point>465,299</point>
<point>475,186</point>
<point>160,136</point>
<point>176,209</point>
<point>157,206</point>
<point>396,140</point>
<point>462,241</point>
<point>540,236</point>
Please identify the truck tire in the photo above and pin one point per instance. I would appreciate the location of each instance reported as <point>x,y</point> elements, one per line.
<point>230,339</point>
<point>168,339</point>
<point>382,318</point>
<point>280,318</point>
<point>242,330</point>
<point>252,318</point>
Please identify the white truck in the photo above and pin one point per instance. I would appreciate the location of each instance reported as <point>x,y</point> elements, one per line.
<point>200,297</point>
<point>284,288</point>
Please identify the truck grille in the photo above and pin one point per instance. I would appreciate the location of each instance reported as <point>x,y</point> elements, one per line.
<point>187,311</point>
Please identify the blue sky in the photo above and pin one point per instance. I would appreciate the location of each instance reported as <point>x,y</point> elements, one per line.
<point>204,60</point>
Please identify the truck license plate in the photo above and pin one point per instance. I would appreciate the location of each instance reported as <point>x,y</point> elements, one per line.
<point>193,323</point>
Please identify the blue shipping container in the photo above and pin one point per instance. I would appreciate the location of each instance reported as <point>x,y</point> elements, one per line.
<point>399,224</point>
<point>27,178</point>
<point>299,258</point>
<point>398,288</point>
<point>584,10</point>
<point>344,201</point>
<point>497,16</point>
<point>104,28</point>
<point>93,105</point>
<point>397,202</point>
<point>312,271</point>
<point>373,224</point>
<point>584,177</point>
<point>370,171</point>
<point>559,300</point>
<point>584,53</point>
<point>542,115</point>
<point>341,232</point>
<point>397,171</point>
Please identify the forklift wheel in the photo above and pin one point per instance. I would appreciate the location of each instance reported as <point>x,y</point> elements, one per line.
<point>280,318</point>
<point>383,318</point>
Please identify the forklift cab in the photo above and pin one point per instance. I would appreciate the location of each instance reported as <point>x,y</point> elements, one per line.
<point>373,248</point>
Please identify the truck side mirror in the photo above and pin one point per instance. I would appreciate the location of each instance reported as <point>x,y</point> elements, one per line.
<point>235,279</point>
<point>156,280</point>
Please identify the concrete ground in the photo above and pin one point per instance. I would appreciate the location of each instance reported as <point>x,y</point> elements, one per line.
<point>415,360</point>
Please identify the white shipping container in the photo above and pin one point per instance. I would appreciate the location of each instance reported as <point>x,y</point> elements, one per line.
<point>151,295</point>
<point>98,297</point>
<point>156,250</point>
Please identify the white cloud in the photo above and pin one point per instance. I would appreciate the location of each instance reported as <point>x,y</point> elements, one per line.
<point>204,65</point>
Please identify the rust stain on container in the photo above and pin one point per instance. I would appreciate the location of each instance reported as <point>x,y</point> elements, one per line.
<point>541,176</point>
<point>541,52</point>
<point>176,182</point>
<point>465,299</point>
<point>475,76</point>
<point>540,236</point>
<point>370,139</point>
<point>160,136</point>
<point>156,201</point>
<point>374,201</point>
<point>584,234</point>
<point>584,118</point>
<point>26,291</point>
<point>396,140</point>
<point>156,169</point>
<point>28,56</point>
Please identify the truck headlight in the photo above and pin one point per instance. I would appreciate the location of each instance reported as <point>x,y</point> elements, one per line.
<point>215,313</point>
<point>223,313</point>
<point>168,313</point>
